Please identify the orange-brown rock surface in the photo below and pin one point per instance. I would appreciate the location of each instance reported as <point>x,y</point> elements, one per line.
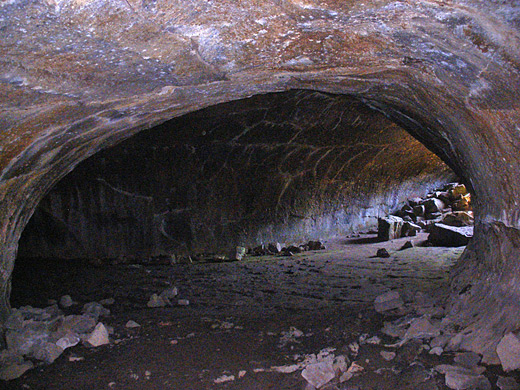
<point>79,76</point>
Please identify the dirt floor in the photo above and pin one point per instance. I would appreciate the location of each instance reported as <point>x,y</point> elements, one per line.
<point>238,319</point>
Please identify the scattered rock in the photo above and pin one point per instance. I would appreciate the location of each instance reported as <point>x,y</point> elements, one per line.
<point>468,359</point>
<point>352,370</point>
<point>66,301</point>
<point>410,229</point>
<point>507,383</point>
<point>183,302</point>
<point>452,236</point>
<point>462,381</point>
<point>407,245</point>
<point>388,301</point>
<point>168,294</point>
<point>286,369</point>
<point>69,340</point>
<point>436,351</point>
<point>156,301</point>
<point>389,228</point>
<point>242,373</point>
<point>459,219</point>
<point>14,371</point>
<point>508,350</point>
<point>421,328</point>
<point>99,336</point>
<point>319,374</point>
<point>224,378</point>
<point>433,205</point>
<point>382,253</point>
<point>132,324</point>
<point>78,324</point>
<point>46,352</point>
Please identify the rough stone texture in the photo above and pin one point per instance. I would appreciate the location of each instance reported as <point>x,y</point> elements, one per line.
<point>445,235</point>
<point>389,228</point>
<point>99,336</point>
<point>79,76</point>
<point>508,350</point>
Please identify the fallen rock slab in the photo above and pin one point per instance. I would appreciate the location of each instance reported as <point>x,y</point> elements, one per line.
<point>461,381</point>
<point>99,336</point>
<point>508,350</point>
<point>507,383</point>
<point>389,228</point>
<point>451,236</point>
<point>319,374</point>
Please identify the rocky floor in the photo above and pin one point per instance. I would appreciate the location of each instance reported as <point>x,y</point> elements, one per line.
<point>255,324</point>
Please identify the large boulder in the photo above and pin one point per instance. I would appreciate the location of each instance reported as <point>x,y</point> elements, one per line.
<point>445,235</point>
<point>389,228</point>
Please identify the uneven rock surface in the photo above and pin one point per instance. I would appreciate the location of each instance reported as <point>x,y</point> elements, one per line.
<point>80,76</point>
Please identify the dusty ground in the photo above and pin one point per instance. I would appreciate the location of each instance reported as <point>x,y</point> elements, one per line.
<point>236,317</point>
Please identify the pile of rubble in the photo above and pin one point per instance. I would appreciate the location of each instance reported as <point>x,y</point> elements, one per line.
<point>36,335</point>
<point>446,214</point>
<point>40,335</point>
<point>281,250</point>
<point>419,329</point>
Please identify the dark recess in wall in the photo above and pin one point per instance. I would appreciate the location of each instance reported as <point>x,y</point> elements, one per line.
<point>280,167</point>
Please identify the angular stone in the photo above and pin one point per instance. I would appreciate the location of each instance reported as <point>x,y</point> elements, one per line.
<point>69,340</point>
<point>99,336</point>
<point>421,328</point>
<point>66,301</point>
<point>433,205</point>
<point>458,218</point>
<point>319,374</point>
<point>419,210</point>
<point>406,245</point>
<point>462,204</point>
<point>132,324</point>
<point>383,253</point>
<point>468,359</point>
<point>183,302</point>
<point>169,293</point>
<point>389,228</point>
<point>78,324</point>
<point>22,341</point>
<point>16,370</point>
<point>452,236</point>
<point>507,383</point>
<point>462,381</point>
<point>388,301</point>
<point>156,301</point>
<point>410,229</point>
<point>46,352</point>
<point>508,350</point>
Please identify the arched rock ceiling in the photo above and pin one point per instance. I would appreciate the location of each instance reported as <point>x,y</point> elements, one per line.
<point>78,76</point>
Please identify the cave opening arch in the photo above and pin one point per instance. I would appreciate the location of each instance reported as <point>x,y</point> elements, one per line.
<point>460,137</point>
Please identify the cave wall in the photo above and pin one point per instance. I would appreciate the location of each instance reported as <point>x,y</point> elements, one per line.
<point>279,167</point>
